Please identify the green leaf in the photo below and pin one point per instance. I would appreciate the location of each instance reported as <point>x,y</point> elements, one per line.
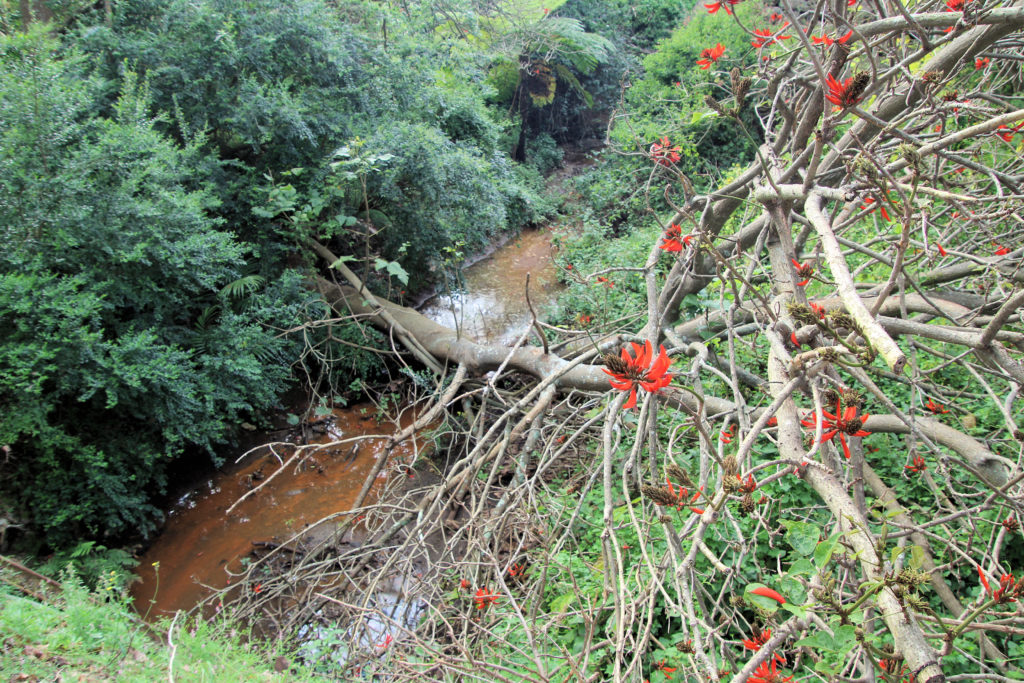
<point>560,604</point>
<point>818,641</point>
<point>344,259</point>
<point>823,551</point>
<point>803,537</point>
<point>802,567</point>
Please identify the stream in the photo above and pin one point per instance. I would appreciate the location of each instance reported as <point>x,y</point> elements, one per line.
<point>200,543</point>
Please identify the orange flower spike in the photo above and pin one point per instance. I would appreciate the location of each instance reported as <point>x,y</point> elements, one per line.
<point>664,153</point>
<point>803,270</point>
<point>842,94</point>
<point>484,598</point>
<point>710,55</point>
<point>672,239</point>
<point>631,371</point>
<point>666,669</point>
<point>768,674</point>
<point>918,466</point>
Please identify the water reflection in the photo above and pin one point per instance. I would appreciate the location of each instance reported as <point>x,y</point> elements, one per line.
<point>491,304</point>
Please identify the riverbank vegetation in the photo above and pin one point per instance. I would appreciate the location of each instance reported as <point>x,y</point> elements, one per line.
<point>770,432</point>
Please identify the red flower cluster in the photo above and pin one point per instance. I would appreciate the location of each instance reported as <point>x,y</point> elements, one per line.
<point>710,55</point>
<point>918,466</point>
<point>768,674</point>
<point>713,7</point>
<point>1008,133</point>
<point>803,270</point>
<point>981,62</point>
<point>842,424</point>
<point>605,281</point>
<point>759,640</point>
<point>484,598</point>
<point>942,252</point>
<point>845,94</point>
<point>871,200</point>
<point>666,669</point>
<point>1001,250</point>
<point>682,498</point>
<point>726,436</point>
<point>766,37</point>
<point>628,372</point>
<point>664,153</point>
<point>1009,589</point>
<point>828,42</point>
<point>936,408</point>
<point>673,240</point>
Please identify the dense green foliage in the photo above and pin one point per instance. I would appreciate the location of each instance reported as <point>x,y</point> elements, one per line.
<point>119,347</point>
<point>162,170</point>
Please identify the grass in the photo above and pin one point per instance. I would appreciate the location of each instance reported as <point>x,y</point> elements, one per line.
<point>72,633</point>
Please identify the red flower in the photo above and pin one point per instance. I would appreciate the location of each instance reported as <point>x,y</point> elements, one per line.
<point>759,641</point>
<point>819,309</point>
<point>672,239</point>
<point>583,319</point>
<point>628,372</point>
<point>775,18</point>
<point>828,42</point>
<point>955,5</point>
<point>844,423</point>
<point>710,55</point>
<point>749,486</point>
<point>697,511</point>
<point>1001,250</point>
<point>1008,588</point>
<point>768,674</point>
<point>796,340</point>
<point>1007,136</point>
<point>464,584</point>
<point>936,408</point>
<point>772,422</point>
<point>981,62</point>
<point>664,153</point>
<point>1010,524</point>
<point>666,669</point>
<point>845,94</point>
<point>765,37</point>
<point>726,436</point>
<point>804,270</point>
<point>516,570</point>
<point>721,4</point>
<point>871,200</point>
<point>942,252</point>
<point>257,588</point>
<point>387,641</point>
<point>484,598</point>
<point>894,666</point>
<point>606,281</point>
<point>766,592</point>
<point>918,466</point>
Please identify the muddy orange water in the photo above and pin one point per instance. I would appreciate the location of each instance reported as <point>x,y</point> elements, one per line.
<point>490,306</point>
<point>200,540</point>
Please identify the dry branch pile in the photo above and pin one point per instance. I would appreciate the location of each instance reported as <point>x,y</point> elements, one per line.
<point>892,171</point>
